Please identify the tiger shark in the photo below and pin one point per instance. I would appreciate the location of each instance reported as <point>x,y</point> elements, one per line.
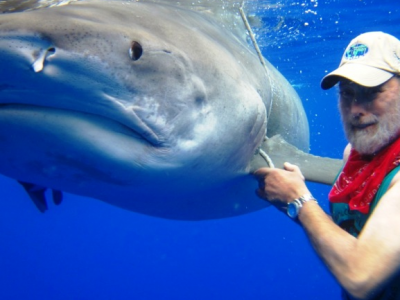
<point>150,106</point>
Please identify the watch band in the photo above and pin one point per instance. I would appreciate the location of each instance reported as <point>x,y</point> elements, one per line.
<point>307,197</point>
<point>294,207</point>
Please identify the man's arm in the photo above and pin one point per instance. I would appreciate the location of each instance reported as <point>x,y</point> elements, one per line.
<point>362,265</point>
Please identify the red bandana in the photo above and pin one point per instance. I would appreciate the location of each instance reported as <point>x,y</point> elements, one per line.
<point>362,175</point>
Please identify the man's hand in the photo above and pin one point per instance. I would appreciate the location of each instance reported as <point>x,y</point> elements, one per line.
<point>280,186</point>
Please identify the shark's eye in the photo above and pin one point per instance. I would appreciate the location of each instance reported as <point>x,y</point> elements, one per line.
<point>136,51</point>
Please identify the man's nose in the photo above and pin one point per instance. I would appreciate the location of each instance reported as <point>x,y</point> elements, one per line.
<point>357,108</point>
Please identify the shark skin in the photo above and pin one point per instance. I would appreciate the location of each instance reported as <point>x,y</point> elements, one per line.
<point>151,107</point>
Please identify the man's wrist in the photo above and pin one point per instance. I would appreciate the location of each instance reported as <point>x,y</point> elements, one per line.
<point>294,207</point>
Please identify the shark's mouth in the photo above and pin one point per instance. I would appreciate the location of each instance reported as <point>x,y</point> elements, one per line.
<point>136,129</point>
<point>48,144</point>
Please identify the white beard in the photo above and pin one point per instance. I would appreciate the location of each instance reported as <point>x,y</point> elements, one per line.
<point>372,139</point>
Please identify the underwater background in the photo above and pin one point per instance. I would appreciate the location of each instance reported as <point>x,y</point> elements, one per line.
<point>86,249</point>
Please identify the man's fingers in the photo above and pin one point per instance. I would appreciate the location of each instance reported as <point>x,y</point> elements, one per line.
<point>262,172</point>
<point>290,167</point>
<point>293,168</point>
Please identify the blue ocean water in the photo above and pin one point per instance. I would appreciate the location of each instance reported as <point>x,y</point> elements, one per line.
<point>85,249</point>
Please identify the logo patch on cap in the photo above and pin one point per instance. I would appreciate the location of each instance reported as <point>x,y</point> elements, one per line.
<point>356,51</point>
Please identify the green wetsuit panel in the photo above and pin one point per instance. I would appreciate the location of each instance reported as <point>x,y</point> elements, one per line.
<point>354,221</point>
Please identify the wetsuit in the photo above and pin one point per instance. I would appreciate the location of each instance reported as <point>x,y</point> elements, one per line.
<point>354,221</point>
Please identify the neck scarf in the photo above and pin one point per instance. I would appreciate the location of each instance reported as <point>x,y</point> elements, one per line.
<point>362,175</point>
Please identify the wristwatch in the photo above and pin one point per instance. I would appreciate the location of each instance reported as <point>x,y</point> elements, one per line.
<point>294,207</point>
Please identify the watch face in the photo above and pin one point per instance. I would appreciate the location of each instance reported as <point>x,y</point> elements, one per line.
<point>293,209</point>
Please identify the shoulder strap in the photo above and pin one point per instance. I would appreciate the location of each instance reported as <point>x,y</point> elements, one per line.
<point>384,187</point>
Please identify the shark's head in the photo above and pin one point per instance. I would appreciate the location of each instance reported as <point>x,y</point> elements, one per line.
<point>126,96</point>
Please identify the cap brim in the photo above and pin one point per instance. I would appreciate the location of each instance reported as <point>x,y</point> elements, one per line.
<point>358,73</point>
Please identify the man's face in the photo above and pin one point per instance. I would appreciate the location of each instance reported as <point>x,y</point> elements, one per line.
<point>371,116</point>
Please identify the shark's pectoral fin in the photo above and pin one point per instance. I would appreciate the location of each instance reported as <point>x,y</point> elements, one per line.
<point>314,168</point>
<point>37,194</point>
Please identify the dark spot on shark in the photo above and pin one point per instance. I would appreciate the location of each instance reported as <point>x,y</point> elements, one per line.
<point>136,51</point>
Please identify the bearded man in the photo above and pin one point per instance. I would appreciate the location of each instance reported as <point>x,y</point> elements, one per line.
<point>360,243</point>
